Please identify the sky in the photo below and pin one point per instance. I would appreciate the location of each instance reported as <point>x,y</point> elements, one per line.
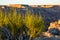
<point>30,2</point>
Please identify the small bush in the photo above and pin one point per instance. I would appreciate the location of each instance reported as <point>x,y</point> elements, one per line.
<point>30,24</point>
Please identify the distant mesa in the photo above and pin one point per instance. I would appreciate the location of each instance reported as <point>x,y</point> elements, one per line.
<point>46,6</point>
<point>16,5</point>
<point>43,6</point>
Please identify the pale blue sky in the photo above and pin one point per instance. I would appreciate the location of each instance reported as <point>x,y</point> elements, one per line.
<point>30,2</point>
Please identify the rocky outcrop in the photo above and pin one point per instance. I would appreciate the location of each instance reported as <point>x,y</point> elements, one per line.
<point>53,32</point>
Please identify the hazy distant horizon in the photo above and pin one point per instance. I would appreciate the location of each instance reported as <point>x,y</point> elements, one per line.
<point>30,2</point>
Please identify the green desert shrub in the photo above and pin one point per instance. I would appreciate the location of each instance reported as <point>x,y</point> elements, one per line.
<point>30,24</point>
